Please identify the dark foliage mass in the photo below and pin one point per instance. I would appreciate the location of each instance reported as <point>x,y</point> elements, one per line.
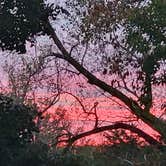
<point>16,128</point>
<point>118,155</point>
<point>20,20</point>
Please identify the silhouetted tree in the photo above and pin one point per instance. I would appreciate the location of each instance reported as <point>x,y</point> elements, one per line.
<point>17,127</point>
<point>139,53</point>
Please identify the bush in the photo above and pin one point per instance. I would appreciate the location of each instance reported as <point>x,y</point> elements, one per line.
<point>16,128</point>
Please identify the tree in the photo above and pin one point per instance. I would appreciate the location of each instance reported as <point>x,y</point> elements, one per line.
<point>17,127</point>
<point>139,54</point>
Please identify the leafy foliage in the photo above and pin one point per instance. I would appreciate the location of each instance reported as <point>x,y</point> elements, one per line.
<point>35,154</point>
<point>147,33</point>
<point>135,32</point>
<point>17,127</point>
<point>117,155</point>
<point>21,20</point>
<point>138,54</point>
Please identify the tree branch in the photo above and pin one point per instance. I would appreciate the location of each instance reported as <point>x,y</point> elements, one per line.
<point>146,117</point>
<point>132,128</point>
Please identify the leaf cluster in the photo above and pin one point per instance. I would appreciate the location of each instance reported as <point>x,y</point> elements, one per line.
<point>21,20</point>
<point>16,122</point>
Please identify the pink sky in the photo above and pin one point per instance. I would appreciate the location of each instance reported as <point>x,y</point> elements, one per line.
<point>108,113</point>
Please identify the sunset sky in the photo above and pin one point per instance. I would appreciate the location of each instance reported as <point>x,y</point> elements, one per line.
<point>109,109</point>
<point>76,94</point>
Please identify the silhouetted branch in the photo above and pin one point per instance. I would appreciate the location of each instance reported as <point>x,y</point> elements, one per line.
<point>145,116</point>
<point>132,128</point>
